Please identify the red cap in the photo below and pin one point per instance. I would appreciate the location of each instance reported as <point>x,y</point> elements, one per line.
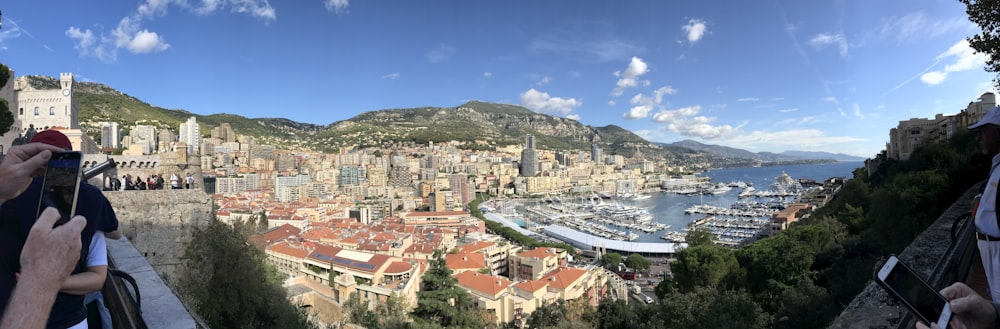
<point>54,138</point>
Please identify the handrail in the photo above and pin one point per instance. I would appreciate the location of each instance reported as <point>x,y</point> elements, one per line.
<point>126,311</point>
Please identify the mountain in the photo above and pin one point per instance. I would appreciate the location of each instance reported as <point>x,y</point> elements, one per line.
<point>729,152</point>
<point>101,103</point>
<point>479,125</point>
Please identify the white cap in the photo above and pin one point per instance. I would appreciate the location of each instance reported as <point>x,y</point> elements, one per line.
<point>992,117</point>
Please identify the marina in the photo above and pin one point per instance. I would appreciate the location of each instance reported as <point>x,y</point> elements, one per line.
<point>735,217</point>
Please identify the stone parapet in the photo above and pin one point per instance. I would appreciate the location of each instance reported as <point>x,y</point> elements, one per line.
<point>935,255</point>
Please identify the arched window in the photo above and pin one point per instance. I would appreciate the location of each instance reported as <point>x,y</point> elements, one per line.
<point>36,111</point>
<point>52,110</point>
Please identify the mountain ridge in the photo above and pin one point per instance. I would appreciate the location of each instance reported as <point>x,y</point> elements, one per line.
<point>474,125</point>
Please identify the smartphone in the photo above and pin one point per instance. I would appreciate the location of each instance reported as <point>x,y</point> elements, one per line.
<point>61,185</point>
<point>910,290</point>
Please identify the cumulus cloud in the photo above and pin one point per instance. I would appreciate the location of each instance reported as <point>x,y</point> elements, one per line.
<point>687,122</point>
<point>964,58</point>
<point>391,76</point>
<point>337,6</point>
<point>574,117</point>
<point>131,36</point>
<point>542,102</point>
<point>440,54</point>
<point>823,40</point>
<point>642,105</point>
<point>487,74</point>
<point>630,78</point>
<point>695,29</point>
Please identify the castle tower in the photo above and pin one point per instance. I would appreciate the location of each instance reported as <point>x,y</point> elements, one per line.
<point>47,108</point>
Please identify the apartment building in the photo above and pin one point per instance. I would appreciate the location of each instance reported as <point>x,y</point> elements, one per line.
<point>781,219</point>
<point>497,256</point>
<point>536,263</point>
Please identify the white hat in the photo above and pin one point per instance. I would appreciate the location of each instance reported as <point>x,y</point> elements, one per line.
<point>992,117</point>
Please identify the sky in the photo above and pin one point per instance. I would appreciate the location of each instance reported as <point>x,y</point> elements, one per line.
<point>771,75</point>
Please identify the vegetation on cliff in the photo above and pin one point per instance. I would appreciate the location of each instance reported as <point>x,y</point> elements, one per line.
<point>228,284</point>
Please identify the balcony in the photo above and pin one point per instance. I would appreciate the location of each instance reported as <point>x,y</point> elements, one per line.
<point>944,253</point>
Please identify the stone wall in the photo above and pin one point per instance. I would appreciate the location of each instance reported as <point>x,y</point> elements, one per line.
<point>935,255</point>
<point>160,223</point>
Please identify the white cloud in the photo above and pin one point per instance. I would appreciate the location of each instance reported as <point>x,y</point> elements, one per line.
<point>131,36</point>
<point>543,103</point>
<point>748,99</point>
<point>544,80</point>
<point>612,103</point>
<point>440,54</point>
<point>823,40</point>
<point>857,111</point>
<point>630,78</point>
<point>663,91</point>
<point>487,74</point>
<point>574,117</point>
<point>965,58</point>
<point>685,121</point>
<point>809,139</point>
<point>585,42</point>
<point>830,99</point>
<point>918,26</point>
<point>790,110</point>
<point>695,29</point>
<point>800,121</point>
<point>337,6</point>
<point>638,112</point>
<point>146,42</point>
<point>391,76</point>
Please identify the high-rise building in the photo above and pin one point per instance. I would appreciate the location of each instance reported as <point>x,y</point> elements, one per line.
<point>145,137</point>
<point>190,134</point>
<point>110,138</point>
<point>529,158</point>
<point>595,153</point>
<point>224,132</point>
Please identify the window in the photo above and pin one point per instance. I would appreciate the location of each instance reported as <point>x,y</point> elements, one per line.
<point>52,110</point>
<point>22,112</point>
<point>36,111</point>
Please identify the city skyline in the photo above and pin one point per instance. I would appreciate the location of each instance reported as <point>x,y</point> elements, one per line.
<point>827,76</point>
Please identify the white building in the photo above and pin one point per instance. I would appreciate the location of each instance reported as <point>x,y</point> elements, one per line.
<point>110,135</point>
<point>190,134</point>
<point>47,108</point>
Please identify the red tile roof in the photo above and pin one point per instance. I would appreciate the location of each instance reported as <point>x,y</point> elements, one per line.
<point>396,268</point>
<point>477,246</point>
<point>538,253</point>
<point>532,285</point>
<point>488,284</point>
<point>564,277</point>
<point>285,248</point>
<point>273,235</point>
<point>465,261</point>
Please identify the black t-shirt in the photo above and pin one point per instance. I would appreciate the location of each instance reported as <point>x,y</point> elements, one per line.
<point>16,218</point>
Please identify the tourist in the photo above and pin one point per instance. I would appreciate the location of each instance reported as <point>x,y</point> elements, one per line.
<point>47,254</point>
<point>174,181</point>
<point>69,310</point>
<point>987,222</point>
<point>968,309</point>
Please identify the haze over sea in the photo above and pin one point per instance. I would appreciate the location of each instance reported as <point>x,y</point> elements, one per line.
<point>668,208</point>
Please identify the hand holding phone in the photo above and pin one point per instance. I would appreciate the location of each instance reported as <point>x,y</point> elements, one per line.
<point>61,185</point>
<point>910,290</point>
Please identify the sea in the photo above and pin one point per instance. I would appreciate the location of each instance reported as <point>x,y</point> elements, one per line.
<point>668,208</point>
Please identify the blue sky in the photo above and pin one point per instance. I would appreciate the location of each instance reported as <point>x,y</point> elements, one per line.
<point>760,75</point>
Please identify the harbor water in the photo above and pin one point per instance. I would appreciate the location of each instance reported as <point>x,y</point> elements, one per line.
<point>669,208</point>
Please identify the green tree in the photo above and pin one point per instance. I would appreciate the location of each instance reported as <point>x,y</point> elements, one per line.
<point>638,262</point>
<point>441,302</point>
<point>703,266</point>
<point>700,236</point>
<point>359,312</point>
<point>262,223</point>
<point>713,307</point>
<point>986,14</point>
<point>611,260</point>
<point>6,118</point>
<point>547,315</point>
<point>252,299</point>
